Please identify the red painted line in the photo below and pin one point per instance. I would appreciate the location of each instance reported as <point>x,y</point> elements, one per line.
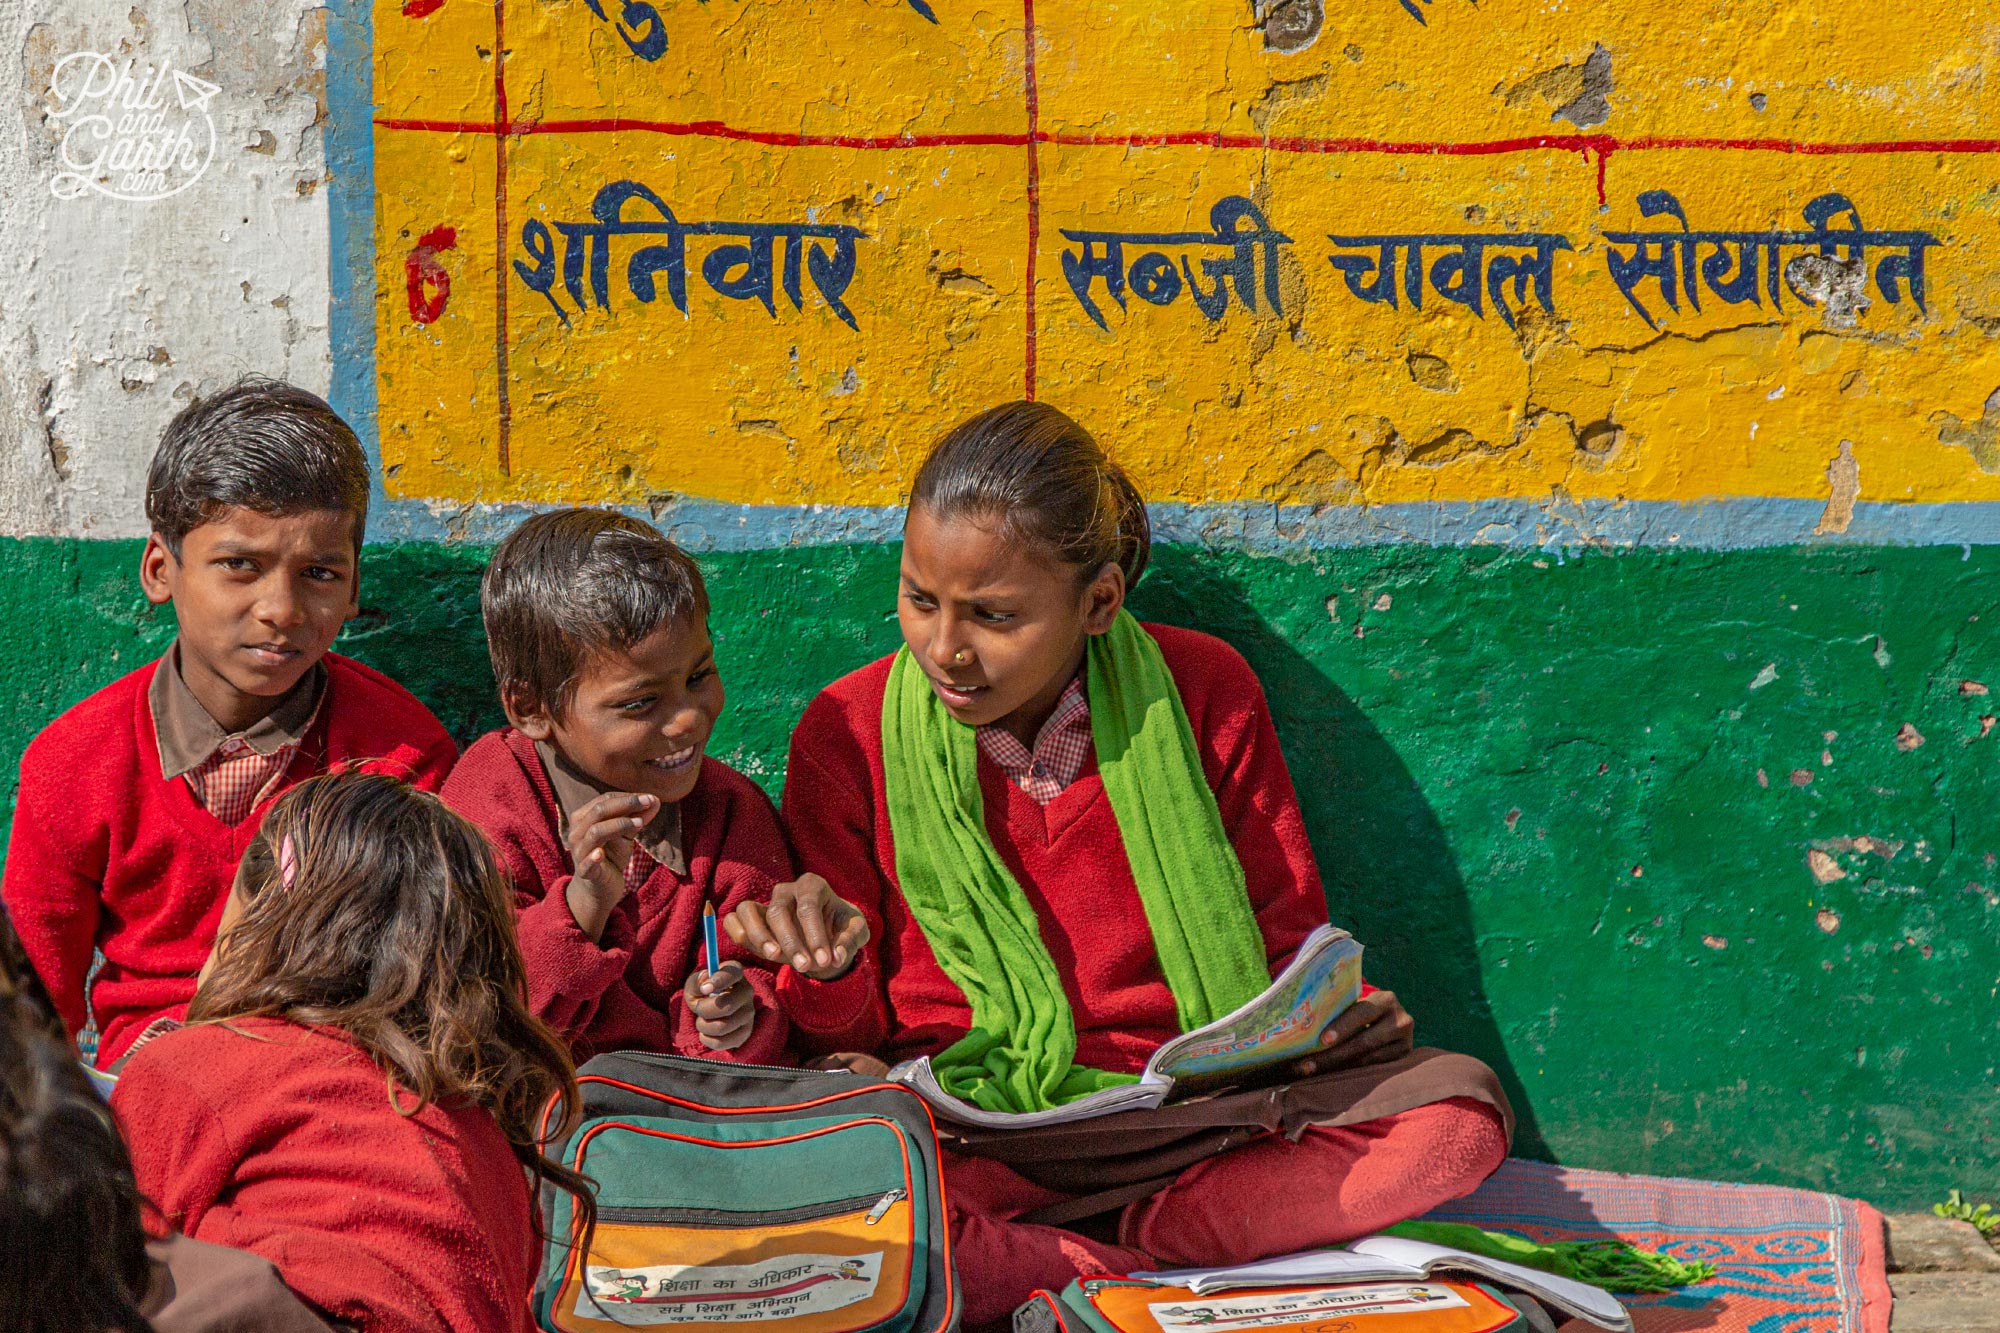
<point>1034,188</point>
<point>1294,144</point>
<point>708,129</point>
<point>1817,149</point>
<point>500,267</point>
<point>1585,143</point>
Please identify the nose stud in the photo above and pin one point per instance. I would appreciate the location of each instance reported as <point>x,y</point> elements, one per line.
<point>961,657</point>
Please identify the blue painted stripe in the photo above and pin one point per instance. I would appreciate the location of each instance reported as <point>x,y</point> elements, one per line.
<point>1714,525</point>
<point>350,158</point>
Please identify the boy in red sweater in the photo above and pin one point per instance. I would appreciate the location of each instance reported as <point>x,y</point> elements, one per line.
<point>614,826</point>
<point>135,805</point>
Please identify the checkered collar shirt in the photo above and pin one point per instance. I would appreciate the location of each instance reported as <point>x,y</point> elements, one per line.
<point>230,773</point>
<point>1062,748</point>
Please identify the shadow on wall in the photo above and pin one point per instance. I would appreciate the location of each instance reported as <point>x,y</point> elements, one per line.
<point>1390,874</point>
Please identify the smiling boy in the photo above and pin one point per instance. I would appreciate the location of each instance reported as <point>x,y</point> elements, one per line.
<point>614,825</point>
<point>135,805</point>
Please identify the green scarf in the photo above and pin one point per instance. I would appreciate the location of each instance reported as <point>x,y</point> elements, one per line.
<point>1611,1264</point>
<point>1019,1054</point>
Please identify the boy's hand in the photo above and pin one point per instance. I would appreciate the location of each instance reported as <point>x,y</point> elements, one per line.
<point>1373,1030</point>
<point>805,924</point>
<point>600,847</point>
<point>725,1008</point>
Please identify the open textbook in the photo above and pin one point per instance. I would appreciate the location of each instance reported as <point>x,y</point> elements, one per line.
<point>1385,1258</point>
<point>1284,1023</point>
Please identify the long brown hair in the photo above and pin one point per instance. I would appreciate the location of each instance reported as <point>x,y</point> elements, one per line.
<point>369,907</point>
<point>1041,476</point>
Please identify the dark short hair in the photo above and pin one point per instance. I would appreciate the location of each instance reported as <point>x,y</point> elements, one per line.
<point>69,1205</point>
<point>1044,480</point>
<point>576,581</point>
<point>259,444</point>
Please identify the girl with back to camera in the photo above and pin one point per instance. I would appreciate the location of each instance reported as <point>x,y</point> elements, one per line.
<point>358,1086</point>
<point>1075,837</point>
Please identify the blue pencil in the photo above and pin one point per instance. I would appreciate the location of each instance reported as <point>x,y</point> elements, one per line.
<point>711,947</point>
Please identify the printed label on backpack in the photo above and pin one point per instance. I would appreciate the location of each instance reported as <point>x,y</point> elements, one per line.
<point>1280,1309</point>
<point>782,1286</point>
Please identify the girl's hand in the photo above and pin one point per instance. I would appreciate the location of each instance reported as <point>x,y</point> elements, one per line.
<point>600,847</point>
<point>1373,1030</point>
<point>854,1063</point>
<point>725,1008</point>
<point>806,924</point>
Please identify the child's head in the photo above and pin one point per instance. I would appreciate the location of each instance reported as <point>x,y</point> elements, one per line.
<point>598,628</point>
<point>69,1208</point>
<point>1021,541</point>
<point>257,497</point>
<point>364,904</point>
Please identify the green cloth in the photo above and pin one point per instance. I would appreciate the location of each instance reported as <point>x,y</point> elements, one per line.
<point>1020,1053</point>
<point>1611,1264</point>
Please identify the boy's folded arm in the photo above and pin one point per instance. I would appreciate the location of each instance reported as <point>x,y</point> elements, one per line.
<point>571,977</point>
<point>53,887</point>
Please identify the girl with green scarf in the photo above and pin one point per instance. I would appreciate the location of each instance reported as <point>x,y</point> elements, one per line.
<point>1074,837</point>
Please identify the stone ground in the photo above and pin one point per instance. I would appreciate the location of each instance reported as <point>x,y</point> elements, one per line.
<point>1945,1276</point>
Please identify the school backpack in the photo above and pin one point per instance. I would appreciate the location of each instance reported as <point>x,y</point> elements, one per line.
<point>1128,1305</point>
<point>732,1195</point>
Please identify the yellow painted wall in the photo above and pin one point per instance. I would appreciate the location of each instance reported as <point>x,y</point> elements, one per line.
<point>1144,114</point>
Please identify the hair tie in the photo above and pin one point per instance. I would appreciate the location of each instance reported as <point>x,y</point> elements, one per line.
<point>288,863</point>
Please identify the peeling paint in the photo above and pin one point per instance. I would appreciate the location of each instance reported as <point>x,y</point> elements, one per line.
<point>1290,26</point>
<point>1980,437</point>
<point>1576,92</point>
<point>1843,477</point>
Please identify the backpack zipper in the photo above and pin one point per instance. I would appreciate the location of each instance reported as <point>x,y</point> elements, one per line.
<point>730,1218</point>
<point>883,1205</point>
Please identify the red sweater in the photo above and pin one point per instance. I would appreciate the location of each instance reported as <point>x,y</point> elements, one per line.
<point>1067,856</point>
<point>623,992</point>
<point>107,854</point>
<point>280,1139</point>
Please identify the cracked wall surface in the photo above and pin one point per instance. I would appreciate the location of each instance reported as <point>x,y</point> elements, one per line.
<point>117,312</point>
<point>1497,196</point>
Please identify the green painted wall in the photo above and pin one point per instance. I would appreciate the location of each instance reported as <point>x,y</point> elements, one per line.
<point>1568,803</point>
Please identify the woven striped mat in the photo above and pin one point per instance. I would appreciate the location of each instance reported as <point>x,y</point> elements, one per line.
<point>1787,1261</point>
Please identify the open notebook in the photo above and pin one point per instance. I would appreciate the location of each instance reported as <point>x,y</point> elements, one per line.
<point>1378,1258</point>
<point>1284,1023</point>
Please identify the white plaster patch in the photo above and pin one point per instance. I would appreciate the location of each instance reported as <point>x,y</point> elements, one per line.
<point>119,311</point>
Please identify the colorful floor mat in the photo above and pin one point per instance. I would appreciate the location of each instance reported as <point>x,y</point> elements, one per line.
<point>1787,1261</point>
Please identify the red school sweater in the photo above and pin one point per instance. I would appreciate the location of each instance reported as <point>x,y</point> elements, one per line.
<point>280,1139</point>
<point>1067,856</point>
<point>624,991</point>
<point>107,854</point>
